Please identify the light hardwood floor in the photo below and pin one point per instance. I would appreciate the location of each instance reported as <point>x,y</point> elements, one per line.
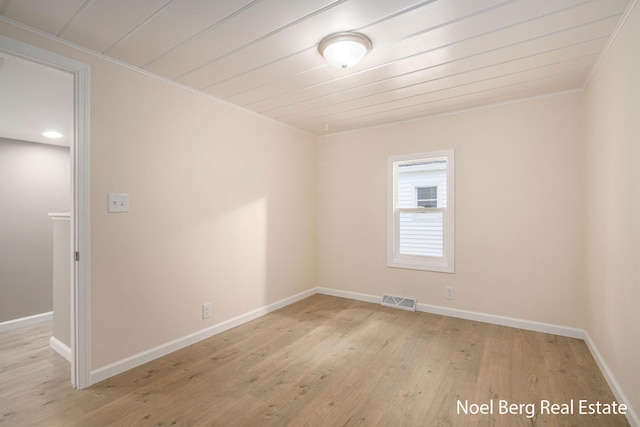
<point>323,361</point>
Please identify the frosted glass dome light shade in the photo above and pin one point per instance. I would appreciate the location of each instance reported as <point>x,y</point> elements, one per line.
<point>344,50</point>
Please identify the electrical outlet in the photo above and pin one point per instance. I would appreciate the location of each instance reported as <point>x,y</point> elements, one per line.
<point>451,293</point>
<point>206,310</point>
<point>118,202</point>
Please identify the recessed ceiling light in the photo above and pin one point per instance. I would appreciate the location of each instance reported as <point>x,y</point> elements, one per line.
<point>52,134</point>
<point>344,50</point>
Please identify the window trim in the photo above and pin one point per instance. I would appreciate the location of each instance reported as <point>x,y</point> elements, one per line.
<point>420,262</point>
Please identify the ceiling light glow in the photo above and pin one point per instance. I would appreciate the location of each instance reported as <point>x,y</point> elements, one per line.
<point>52,134</point>
<point>344,50</point>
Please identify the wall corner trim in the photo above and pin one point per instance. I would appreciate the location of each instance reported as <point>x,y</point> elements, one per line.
<point>610,41</point>
<point>632,415</point>
<point>61,348</point>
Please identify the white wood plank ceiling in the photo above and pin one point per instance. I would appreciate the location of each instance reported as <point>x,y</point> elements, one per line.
<point>428,57</point>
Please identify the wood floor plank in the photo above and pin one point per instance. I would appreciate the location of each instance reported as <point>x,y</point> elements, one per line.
<point>323,361</point>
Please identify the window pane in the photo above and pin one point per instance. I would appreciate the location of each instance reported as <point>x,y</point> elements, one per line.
<point>428,177</point>
<point>427,193</point>
<point>421,233</point>
<point>427,197</point>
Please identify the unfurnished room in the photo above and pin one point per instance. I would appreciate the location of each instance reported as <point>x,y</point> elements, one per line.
<point>319,213</point>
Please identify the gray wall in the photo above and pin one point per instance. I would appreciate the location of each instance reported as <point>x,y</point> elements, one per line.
<point>34,180</point>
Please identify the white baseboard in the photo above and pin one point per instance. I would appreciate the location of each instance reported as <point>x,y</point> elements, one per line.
<point>131,362</point>
<point>350,295</point>
<point>529,325</point>
<point>164,349</point>
<point>61,348</point>
<point>26,321</point>
<point>469,315</point>
<point>621,397</point>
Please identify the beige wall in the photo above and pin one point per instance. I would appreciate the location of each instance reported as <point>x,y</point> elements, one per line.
<point>34,180</point>
<point>222,209</point>
<point>613,206</point>
<point>519,210</point>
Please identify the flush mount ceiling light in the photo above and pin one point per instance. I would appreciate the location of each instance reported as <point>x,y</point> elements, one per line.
<point>344,50</point>
<point>52,134</point>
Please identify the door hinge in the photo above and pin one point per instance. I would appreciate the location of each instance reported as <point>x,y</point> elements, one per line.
<point>77,256</point>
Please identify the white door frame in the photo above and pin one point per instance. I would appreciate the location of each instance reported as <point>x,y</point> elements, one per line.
<point>80,296</point>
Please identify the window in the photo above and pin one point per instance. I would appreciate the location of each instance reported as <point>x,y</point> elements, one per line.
<point>421,211</point>
<point>427,197</point>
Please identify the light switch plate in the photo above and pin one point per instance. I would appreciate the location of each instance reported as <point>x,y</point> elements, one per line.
<point>118,202</point>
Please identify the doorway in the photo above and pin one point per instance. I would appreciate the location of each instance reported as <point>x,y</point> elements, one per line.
<point>79,209</point>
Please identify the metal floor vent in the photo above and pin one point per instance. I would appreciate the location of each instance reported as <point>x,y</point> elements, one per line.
<point>399,302</point>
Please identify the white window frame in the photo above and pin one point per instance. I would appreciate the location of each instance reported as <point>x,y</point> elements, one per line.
<point>445,263</point>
